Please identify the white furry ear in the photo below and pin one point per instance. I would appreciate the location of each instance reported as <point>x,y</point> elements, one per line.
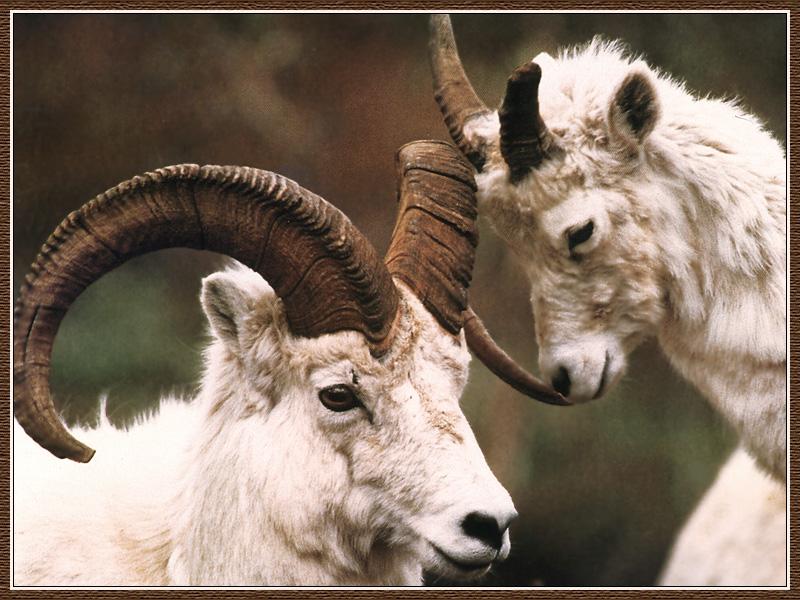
<point>634,109</point>
<point>226,302</point>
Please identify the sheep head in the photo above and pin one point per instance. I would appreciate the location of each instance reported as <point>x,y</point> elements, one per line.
<point>564,169</point>
<point>374,455</point>
<point>364,362</point>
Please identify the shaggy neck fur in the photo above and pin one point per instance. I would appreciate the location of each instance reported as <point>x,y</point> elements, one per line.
<point>722,236</point>
<point>302,535</point>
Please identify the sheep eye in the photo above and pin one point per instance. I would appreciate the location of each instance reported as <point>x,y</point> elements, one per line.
<point>575,237</point>
<point>338,398</point>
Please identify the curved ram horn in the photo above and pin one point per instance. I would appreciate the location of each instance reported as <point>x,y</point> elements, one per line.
<point>525,140</point>
<point>435,236</point>
<point>502,365</point>
<point>327,273</point>
<point>433,252</point>
<point>453,92</point>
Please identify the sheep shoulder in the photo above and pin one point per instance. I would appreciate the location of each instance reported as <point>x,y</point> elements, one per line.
<point>737,534</point>
<point>113,513</point>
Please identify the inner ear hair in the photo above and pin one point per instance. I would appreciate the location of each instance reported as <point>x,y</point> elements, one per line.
<point>225,304</point>
<point>635,108</point>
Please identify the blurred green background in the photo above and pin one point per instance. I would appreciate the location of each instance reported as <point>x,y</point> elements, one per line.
<point>326,99</point>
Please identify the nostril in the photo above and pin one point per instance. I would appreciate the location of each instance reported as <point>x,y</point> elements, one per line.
<point>484,528</point>
<point>561,382</point>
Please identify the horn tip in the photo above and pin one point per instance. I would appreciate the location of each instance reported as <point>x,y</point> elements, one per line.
<point>439,20</point>
<point>87,457</point>
<point>75,451</point>
<point>84,455</point>
<point>530,72</point>
<point>557,399</point>
<point>440,29</point>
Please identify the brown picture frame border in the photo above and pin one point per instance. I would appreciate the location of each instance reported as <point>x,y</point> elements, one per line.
<point>280,593</point>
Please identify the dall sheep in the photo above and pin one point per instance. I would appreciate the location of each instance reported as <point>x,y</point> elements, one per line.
<point>326,444</point>
<point>640,210</point>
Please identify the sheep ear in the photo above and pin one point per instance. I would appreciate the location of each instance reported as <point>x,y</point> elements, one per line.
<point>226,303</point>
<point>634,109</point>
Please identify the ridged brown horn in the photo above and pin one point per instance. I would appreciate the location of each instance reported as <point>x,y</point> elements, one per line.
<point>502,365</point>
<point>433,244</point>
<point>525,140</point>
<point>433,252</point>
<point>453,92</point>
<point>327,273</point>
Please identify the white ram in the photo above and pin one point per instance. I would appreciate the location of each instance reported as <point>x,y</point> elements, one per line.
<point>326,445</point>
<point>640,210</point>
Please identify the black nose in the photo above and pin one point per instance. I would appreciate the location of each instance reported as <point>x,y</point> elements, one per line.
<point>485,528</point>
<point>561,382</point>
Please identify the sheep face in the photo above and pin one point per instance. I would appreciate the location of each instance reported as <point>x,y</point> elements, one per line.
<point>595,289</point>
<point>579,223</point>
<point>373,455</point>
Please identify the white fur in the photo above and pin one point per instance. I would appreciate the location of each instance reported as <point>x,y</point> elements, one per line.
<point>689,243</point>
<point>716,546</point>
<point>255,482</point>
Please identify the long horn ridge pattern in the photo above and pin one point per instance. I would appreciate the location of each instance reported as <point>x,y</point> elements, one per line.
<point>453,92</point>
<point>433,244</point>
<point>327,273</point>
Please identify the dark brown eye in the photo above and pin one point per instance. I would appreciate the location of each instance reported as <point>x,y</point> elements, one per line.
<point>575,237</point>
<point>338,398</point>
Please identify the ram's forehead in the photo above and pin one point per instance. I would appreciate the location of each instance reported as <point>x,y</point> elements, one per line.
<point>343,347</point>
<point>416,337</point>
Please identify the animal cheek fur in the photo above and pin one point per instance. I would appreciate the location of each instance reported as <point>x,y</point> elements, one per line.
<point>541,318</point>
<point>373,440</point>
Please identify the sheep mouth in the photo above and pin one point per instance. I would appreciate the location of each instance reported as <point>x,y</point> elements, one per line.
<point>603,379</point>
<point>467,568</point>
